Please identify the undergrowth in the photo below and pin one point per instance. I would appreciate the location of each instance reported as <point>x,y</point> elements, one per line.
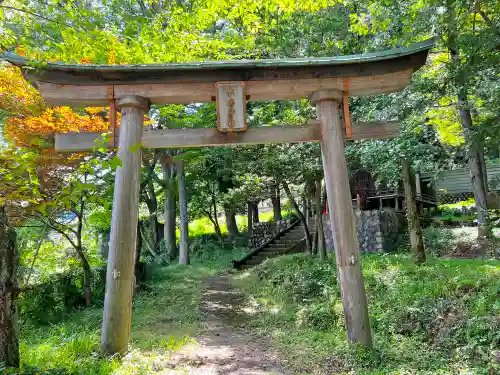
<point>166,317</point>
<point>438,318</point>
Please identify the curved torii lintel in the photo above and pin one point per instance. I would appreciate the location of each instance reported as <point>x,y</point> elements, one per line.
<point>280,79</point>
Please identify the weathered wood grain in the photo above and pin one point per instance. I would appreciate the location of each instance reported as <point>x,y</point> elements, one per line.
<point>116,326</point>
<point>203,137</point>
<point>202,92</point>
<point>343,224</point>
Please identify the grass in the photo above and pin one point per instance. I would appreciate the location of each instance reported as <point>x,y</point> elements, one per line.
<point>455,218</point>
<point>166,317</point>
<point>439,318</point>
<point>204,226</point>
<point>458,205</point>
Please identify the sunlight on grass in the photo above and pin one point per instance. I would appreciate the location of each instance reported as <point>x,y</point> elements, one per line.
<point>467,203</point>
<point>204,226</point>
<point>437,318</point>
<point>166,320</point>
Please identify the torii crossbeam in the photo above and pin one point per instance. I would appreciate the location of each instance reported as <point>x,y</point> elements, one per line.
<point>325,81</point>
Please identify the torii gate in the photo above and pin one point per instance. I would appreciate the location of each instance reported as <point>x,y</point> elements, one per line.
<point>326,81</point>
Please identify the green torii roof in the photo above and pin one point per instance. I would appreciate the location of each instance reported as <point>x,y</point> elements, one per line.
<point>368,74</point>
<point>266,63</point>
<point>107,70</point>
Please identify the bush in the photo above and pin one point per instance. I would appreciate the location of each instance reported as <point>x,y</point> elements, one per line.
<point>318,316</point>
<point>38,371</point>
<point>60,294</point>
<point>298,278</point>
<point>439,241</point>
<point>426,319</point>
<point>209,252</point>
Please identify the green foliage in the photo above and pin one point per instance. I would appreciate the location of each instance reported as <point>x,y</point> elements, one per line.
<point>458,205</point>
<point>439,240</point>
<point>434,318</point>
<point>59,295</point>
<point>166,318</point>
<point>215,256</point>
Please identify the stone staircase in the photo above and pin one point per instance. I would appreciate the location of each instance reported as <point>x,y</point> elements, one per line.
<point>290,240</point>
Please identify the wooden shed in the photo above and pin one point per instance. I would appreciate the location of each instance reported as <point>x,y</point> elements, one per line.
<point>455,185</point>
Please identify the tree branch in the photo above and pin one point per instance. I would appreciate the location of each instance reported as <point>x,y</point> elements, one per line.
<point>35,256</point>
<point>57,227</point>
<point>149,245</point>
<point>37,16</point>
<point>486,18</point>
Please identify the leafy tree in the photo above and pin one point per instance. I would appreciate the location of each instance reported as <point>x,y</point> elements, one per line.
<point>467,63</point>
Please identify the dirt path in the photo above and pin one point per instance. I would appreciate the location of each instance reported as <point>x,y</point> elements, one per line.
<point>224,347</point>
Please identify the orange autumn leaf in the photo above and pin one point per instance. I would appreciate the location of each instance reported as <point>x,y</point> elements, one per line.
<point>31,119</point>
<point>53,120</point>
<point>20,50</point>
<point>17,96</point>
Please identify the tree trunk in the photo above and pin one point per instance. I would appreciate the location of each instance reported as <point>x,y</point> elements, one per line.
<point>305,209</point>
<point>144,240</point>
<point>232,226</point>
<point>184,220</point>
<point>320,233</point>
<point>104,248</point>
<point>215,218</point>
<point>87,273</point>
<point>255,212</point>
<point>416,240</point>
<point>302,218</point>
<point>474,141</point>
<point>480,191</point>
<point>276,202</point>
<point>153,229</point>
<point>9,261</point>
<point>138,250</point>
<point>482,163</point>
<point>169,209</point>
<point>315,243</point>
<point>87,278</point>
<point>216,225</point>
<point>153,211</point>
<point>250,223</point>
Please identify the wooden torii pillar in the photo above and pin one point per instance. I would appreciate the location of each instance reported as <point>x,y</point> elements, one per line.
<point>342,219</point>
<point>116,326</point>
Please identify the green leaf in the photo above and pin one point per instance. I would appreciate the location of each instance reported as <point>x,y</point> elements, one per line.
<point>135,148</point>
<point>115,162</point>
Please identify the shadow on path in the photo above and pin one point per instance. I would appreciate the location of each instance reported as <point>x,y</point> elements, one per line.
<point>224,348</point>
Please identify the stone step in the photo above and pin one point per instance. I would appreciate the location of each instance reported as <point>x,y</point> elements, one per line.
<point>270,253</point>
<point>289,238</point>
<point>292,235</point>
<point>280,244</point>
<point>295,230</point>
<point>276,248</point>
